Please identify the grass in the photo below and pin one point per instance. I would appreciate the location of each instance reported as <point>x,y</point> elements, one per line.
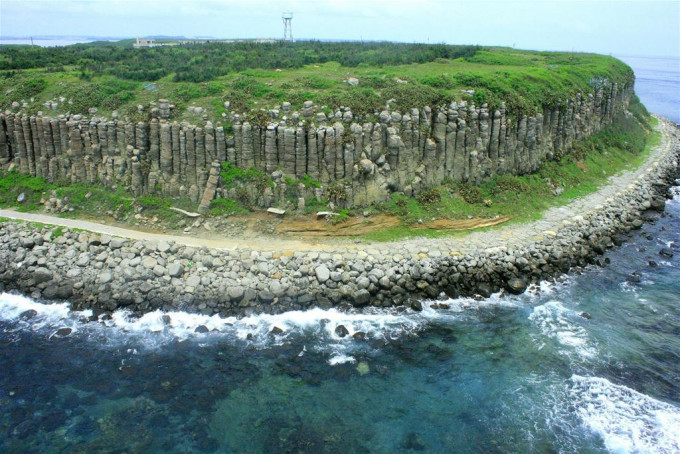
<point>624,145</point>
<point>526,81</point>
<point>90,200</point>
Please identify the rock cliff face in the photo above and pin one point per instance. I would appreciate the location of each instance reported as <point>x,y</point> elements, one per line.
<point>356,163</point>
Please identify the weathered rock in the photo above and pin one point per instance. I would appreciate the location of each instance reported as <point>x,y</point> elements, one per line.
<point>42,275</point>
<point>322,273</point>
<point>175,269</point>
<point>665,252</point>
<point>341,331</point>
<point>516,286</point>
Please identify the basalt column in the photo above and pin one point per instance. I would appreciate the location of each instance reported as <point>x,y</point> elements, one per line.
<point>5,155</point>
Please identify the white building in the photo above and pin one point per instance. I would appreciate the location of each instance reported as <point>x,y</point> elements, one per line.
<point>145,42</point>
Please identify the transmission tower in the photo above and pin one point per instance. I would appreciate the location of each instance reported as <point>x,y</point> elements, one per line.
<point>287,26</point>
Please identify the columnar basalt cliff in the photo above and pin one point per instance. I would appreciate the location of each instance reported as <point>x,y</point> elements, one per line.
<point>357,163</point>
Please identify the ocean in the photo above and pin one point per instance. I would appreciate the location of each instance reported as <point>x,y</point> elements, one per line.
<point>589,363</point>
<point>657,83</point>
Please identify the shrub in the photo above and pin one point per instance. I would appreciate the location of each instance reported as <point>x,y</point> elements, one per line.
<point>430,196</point>
<point>470,193</point>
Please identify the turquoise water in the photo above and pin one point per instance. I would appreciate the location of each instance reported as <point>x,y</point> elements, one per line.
<point>587,364</point>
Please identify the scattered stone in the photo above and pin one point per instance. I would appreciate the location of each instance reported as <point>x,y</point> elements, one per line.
<point>185,213</point>
<point>516,286</point>
<point>42,275</point>
<point>117,243</point>
<point>28,314</point>
<point>341,331</point>
<point>363,368</point>
<point>162,246</point>
<point>413,442</point>
<point>362,297</point>
<point>175,269</point>
<point>276,211</point>
<point>62,332</point>
<point>665,252</point>
<point>634,278</point>
<point>322,273</point>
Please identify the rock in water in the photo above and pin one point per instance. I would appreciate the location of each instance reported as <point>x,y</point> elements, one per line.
<point>201,329</point>
<point>363,368</point>
<point>413,442</point>
<point>341,331</point>
<point>516,286</point>
<point>25,315</point>
<point>62,332</point>
<point>416,305</point>
<point>634,278</point>
<point>275,331</point>
<point>665,252</point>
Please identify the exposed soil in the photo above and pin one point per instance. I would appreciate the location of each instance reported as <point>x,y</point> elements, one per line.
<point>312,227</point>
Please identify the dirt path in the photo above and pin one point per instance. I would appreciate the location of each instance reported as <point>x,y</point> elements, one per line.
<point>509,236</point>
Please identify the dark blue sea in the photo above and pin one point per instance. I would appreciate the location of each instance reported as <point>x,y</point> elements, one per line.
<point>587,364</point>
<point>657,83</point>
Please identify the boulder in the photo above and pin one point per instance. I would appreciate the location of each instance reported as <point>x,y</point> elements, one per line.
<point>175,269</point>
<point>42,275</point>
<point>362,297</point>
<point>516,286</point>
<point>322,273</point>
<point>665,252</point>
<point>341,331</point>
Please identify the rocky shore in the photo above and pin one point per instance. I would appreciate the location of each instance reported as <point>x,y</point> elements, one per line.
<point>105,273</point>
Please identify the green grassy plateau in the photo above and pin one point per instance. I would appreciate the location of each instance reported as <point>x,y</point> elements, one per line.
<point>114,76</point>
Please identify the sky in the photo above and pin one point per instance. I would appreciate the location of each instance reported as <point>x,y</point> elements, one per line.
<point>623,27</point>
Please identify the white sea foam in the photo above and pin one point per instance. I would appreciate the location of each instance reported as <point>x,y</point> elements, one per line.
<point>555,322</point>
<point>627,421</point>
<point>158,328</point>
<point>341,359</point>
<point>315,327</point>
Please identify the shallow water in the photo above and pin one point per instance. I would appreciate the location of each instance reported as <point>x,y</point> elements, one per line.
<point>529,373</point>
